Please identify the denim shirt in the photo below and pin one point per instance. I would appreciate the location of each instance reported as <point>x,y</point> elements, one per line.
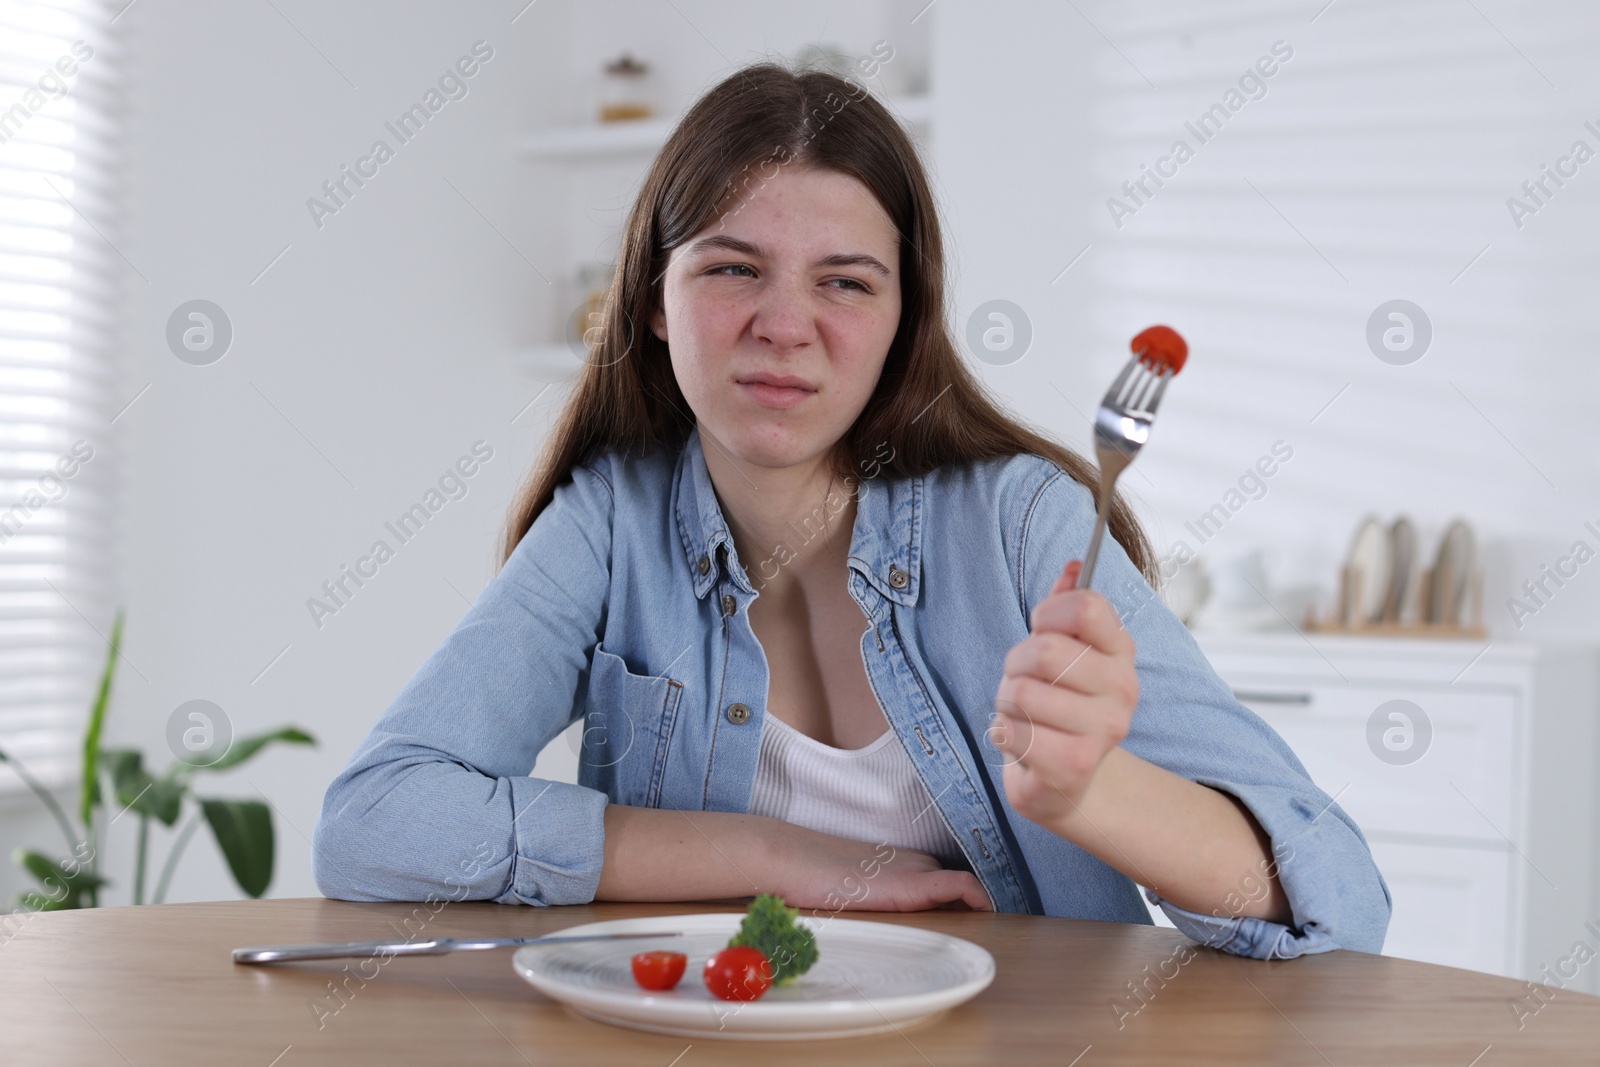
<point>626,603</point>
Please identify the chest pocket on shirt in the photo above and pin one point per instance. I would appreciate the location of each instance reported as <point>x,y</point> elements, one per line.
<point>626,729</point>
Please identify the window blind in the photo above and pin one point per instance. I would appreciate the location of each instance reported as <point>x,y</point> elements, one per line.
<point>59,275</point>
<point>1339,156</point>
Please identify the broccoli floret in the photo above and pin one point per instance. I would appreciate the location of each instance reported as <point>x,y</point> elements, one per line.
<point>770,927</point>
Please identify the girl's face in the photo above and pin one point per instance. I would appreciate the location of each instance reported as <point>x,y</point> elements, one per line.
<point>797,280</point>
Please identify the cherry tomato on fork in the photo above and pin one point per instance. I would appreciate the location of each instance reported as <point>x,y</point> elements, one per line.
<point>740,973</point>
<point>659,970</point>
<point>1160,346</point>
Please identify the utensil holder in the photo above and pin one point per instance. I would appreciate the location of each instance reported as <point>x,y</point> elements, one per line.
<point>1350,612</point>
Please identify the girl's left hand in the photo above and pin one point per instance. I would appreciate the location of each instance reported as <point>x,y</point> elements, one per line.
<point>1065,700</point>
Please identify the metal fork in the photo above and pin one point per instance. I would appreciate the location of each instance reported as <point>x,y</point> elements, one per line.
<point>1121,427</point>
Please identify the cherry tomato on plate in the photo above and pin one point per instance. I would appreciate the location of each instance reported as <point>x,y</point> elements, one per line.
<point>741,973</point>
<point>659,970</point>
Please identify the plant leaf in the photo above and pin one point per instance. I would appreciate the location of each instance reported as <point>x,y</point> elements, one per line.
<point>166,797</point>
<point>63,889</point>
<point>33,900</point>
<point>126,767</point>
<point>245,747</point>
<point>138,790</point>
<point>68,834</point>
<point>89,794</point>
<point>243,829</point>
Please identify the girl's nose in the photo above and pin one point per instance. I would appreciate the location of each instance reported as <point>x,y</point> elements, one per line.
<point>784,317</point>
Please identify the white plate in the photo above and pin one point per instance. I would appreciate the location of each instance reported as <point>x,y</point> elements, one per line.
<point>1452,570</point>
<point>869,977</point>
<point>1369,569</point>
<point>1400,601</point>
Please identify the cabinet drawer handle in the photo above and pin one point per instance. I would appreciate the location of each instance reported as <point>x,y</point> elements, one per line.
<point>1255,696</point>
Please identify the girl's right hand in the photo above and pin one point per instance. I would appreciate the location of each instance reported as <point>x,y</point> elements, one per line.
<point>820,872</point>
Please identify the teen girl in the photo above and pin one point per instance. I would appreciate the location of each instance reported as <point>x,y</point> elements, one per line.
<point>809,588</point>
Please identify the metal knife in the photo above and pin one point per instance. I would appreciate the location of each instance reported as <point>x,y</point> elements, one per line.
<point>437,946</point>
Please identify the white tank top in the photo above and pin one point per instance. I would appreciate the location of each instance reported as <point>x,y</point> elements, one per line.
<point>870,794</point>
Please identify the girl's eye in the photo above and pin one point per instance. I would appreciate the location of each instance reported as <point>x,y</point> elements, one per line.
<point>849,284</point>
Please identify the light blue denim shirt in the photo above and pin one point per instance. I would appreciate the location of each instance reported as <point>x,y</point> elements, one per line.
<point>626,603</point>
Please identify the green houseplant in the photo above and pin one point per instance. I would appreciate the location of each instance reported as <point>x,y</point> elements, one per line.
<point>242,828</point>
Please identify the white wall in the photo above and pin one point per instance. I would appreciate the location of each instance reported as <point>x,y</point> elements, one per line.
<point>365,360</point>
<point>378,348</point>
<point>1383,152</point>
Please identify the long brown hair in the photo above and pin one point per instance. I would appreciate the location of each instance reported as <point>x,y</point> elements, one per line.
<point>927,405</point>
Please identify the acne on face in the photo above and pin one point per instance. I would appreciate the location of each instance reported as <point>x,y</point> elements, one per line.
<point>803,279</point>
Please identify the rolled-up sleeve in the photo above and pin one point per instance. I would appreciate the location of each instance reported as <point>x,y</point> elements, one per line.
<point>1335,893</point>
<point>437,802</point>
<point>1188,721</point>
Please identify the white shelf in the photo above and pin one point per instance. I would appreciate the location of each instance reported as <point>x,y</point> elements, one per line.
<point>595,141</point>
<point>603,140</point>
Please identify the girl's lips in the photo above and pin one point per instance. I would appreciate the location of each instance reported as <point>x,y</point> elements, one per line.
<point>774,396</point>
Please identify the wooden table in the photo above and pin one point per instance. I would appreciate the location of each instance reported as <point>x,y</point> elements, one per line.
<point>156,986</point>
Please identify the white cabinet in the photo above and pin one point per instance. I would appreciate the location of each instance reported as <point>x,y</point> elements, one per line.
<point>1452,906</point>
<point>1470,768</point>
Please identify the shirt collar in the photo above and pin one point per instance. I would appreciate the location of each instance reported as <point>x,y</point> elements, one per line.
<point>885,545</point>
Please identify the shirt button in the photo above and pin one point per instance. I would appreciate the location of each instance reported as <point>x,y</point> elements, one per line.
<point>729,605</point>
<point>704,564</point>
<point>738,714</point>
<point>898,578</point>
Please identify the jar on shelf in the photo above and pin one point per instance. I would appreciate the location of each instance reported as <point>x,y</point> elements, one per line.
<point>625,90</point>
<point>586,288</point>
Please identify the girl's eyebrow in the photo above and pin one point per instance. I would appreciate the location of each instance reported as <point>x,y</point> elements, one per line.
<point>837,259</point>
